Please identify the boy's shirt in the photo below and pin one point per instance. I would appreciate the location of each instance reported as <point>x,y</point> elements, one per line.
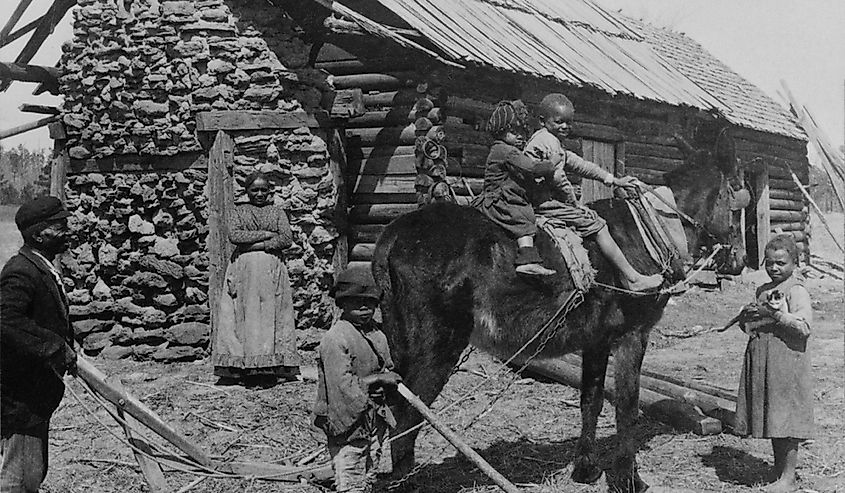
<point>344,357</point>
<point>542,146</point>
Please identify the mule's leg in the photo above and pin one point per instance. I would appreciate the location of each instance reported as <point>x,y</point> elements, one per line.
<point>593,369</point>
<point>624,478</point>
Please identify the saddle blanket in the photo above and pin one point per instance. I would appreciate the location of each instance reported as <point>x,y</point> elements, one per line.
<point>572,249</point>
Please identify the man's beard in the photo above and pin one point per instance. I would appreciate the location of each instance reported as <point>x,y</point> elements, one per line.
<point>54,246</point>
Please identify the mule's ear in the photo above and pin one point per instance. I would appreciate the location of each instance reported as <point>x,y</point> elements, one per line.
<point>692,156</point>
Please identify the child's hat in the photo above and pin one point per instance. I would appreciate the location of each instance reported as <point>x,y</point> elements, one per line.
<point>355,281</point>
<point>506,116</point>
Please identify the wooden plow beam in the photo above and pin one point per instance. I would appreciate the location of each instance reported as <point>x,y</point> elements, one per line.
<point>130,411</point>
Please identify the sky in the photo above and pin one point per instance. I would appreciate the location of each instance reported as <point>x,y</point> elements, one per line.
<point>765,41</point>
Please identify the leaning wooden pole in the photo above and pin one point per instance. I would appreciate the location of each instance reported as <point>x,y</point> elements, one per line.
<point>816,208</point>
<point>135,408</point>
<point>456,441</point>
<point>26,127</point>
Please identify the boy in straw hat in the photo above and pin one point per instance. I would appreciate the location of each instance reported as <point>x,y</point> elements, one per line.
<point>354,373</point>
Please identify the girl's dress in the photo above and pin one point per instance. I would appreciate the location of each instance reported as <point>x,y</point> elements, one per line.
<point>255,329</point>
<point>775,398</point>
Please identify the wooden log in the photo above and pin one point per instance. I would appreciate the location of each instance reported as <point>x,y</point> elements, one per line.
<point>19,33</point>
<point>772,150</point>
<point>384,165</point>
<point>30,73</point>
<point>358,153</point>
<point>788,227</point>
<point>456,441</point>
<point>58,171</point>
<point>764,219</point>
<point>379,213</point>
<point>387,136</point>
<point>41,109</point>
<point>818,211</point>
<point>376,81</point>
<point>384,184</point>
<point>786,204</point>
<point>357,66</point>
<point>365,233</point>
<point>402,97</point>
<point>362,251</point>
<point>397,116</point>
<point>221,202</point>
<point>468,109</point>
<point>138,410</point>
<point>338,167</point>
<point>692,384</point>
<point>57,131</point>
<point>13,20</point>
<point>647,175</point>
<point>150,469</point>
<point>654,150</point>
<point>787,216</point>
<point>680,415</point>
<point>26,127</point>
<point>595,131</point>
<point>209,121</point>
<point>767,138</point>
<point>792,195</point>
<point>782,184</point>
<point>383,198</point>
<point>650,162</point>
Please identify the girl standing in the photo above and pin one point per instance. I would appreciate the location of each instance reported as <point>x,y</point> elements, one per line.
<point>255,340</point>
<point>775,398</point>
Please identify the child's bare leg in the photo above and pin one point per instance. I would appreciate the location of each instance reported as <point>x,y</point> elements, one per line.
<point>528,259</point>
<point>786,461</point>
<point>635,280</point>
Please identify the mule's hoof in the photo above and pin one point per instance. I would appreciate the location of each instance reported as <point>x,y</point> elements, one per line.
<point>628,485</point>
<point>586,473</point>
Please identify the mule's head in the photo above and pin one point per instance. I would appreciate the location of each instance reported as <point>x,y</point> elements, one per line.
<point>709,189</point>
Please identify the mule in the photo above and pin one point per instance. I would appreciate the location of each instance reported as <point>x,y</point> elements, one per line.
<point>448,279</point>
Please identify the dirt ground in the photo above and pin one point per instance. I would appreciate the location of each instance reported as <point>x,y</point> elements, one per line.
<point>529,435</point>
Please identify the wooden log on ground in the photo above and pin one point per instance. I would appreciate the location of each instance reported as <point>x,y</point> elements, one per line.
<point>779,216</point>
<point>376,81</point>
<point>651,162</point>
<point>786,204</point>
<point>681,415</point>
<point>138,410</point>
<point>456,441</point>
<point>379,213</point>
<point>362,252</point>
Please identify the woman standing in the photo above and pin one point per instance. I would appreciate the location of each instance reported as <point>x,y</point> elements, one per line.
<point>255,340</point>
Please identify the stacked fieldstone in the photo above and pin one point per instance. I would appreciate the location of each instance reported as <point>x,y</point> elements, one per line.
<point>136,75</point>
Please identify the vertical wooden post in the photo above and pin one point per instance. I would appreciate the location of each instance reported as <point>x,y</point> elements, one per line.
<point>764,222</point>
<point>220,203</point>
<point>58,170</point>
<point>338,168</point>
<point>742,220</point>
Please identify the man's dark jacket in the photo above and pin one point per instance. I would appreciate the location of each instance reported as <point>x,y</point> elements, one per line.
<point>36,342</point>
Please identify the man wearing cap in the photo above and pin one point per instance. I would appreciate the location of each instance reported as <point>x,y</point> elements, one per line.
<point>36,344</point>
<point>354,372</point>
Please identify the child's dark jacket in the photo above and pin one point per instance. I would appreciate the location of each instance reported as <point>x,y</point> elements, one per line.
<point>507,177</point>
<point>345,357</point>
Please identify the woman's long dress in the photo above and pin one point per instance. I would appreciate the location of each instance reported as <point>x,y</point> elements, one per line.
<point>255,329</point>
